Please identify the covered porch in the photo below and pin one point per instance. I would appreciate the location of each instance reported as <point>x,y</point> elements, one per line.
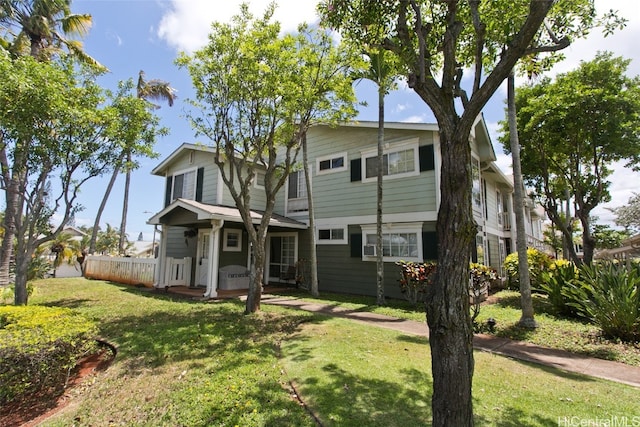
<point>212,245</point>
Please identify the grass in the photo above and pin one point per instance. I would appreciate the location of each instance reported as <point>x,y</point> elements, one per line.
<point>561,333</point>
<point>206,364</point>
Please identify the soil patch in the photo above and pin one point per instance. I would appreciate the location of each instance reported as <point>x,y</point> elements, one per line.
<point>35,408</point>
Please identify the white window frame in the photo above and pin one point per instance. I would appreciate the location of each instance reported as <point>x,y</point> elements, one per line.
<point>303,199</point>
<point>195,183</point>
<point>476,202</point>
<point>330,158</point>
<point>258,179</point>
<point>411,144</point>
<point>225,245</point>
<point>332,241</point>
<point>407,228</point>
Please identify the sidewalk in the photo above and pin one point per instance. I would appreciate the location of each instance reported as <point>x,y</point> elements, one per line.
<point>613,371</point>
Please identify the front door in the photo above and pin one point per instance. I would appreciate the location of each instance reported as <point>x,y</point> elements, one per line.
<point>283,252</point>
<point>202,266</point>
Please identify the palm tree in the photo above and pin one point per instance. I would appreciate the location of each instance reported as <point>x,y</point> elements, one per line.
<point>152,89</point>
<point>383,73</point>
<point>39,28</point>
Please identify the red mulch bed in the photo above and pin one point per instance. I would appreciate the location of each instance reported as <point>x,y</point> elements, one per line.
<point>35,408</point>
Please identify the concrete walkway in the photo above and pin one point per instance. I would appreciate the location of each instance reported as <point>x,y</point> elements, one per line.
<point>613,371</point>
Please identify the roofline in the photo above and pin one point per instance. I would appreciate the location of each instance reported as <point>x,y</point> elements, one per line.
<point>389,125</point>
<point>184,146</point>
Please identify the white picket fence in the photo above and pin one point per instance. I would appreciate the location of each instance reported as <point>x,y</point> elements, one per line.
<point>138,271</point>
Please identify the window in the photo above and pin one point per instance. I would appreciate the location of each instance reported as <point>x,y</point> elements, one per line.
<point>332,236</point>
<point>399,160</point>
<point>258,179</point>
<point>401,243</point>
<point>480,249</point>
<point>232,240</point>
<point>476,191</point>
<point>297,193</point>
<point>333,163</point>
<point>184,185</point>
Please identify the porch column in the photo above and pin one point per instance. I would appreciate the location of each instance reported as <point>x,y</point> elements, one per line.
<point>161,262</point>
<point>214,255</point>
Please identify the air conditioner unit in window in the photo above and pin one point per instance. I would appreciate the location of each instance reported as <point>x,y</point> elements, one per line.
<point>369,250</point>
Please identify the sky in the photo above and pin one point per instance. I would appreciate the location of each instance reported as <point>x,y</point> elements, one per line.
<point>132,35</point>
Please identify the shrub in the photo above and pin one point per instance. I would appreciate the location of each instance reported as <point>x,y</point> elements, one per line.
<point>38,348</point>
<point>538,262</point>
<point>608,294</point>
<point>558,283</point>
<point>414,279</point>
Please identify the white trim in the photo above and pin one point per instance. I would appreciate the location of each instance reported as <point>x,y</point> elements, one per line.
<point>267,272</point>
<point>305,198</point>
<point>408,144</point>
<point>184,172</point>
<point>227,248</point>
<point>406,217</point>
<point>257,182</point>
<point>343,241</point>
<point>332,157</point>
<point>388,228</point>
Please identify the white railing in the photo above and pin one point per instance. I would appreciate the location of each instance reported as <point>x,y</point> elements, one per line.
<point>178,272</point>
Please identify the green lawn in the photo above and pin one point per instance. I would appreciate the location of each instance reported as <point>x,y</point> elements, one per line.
<point>206,364</point>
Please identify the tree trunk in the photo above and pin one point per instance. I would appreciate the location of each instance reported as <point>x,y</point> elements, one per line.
<point>313,258</point>
<point>21,295</point>
<point>11,206</point>
<point>447,304</point>
<point>96,224</point>
<point>125,206</point>
<point>588,242</point>
<point>527,319</point>
<point>254,295</point>
<point>380,300</point>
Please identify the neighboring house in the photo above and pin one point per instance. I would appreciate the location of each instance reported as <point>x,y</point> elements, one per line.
<point>200,224</point>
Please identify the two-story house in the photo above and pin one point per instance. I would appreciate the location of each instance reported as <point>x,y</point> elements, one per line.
<point>200,223</point>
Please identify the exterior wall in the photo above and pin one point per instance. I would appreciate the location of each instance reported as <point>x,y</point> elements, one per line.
<point>335,195</point>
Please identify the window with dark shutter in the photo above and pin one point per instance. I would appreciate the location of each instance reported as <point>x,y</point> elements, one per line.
<point>355,240</point>
<point>429,245</point>
<point>167,191</point>
<point>199,183</point>
<point>356,170</point>
<point>427,161</point>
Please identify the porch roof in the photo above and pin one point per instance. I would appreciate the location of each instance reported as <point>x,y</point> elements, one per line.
<point>205,212</point>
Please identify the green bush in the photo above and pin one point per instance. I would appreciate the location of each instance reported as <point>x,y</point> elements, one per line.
<point>608,294</point>
<point>558,283</point>
<point>39,346</point>
<point>538,262</point>
<point>414,279</point>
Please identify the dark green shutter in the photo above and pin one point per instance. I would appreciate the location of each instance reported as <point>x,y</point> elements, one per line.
<point>167,191</point>
<point>356,170</point>
<point>356,245</point>
<point>426,156</point>
<point>429,245</point>
<point>199,179</point>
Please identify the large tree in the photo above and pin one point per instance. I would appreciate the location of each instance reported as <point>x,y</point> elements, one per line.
<point>42,29</point>
<point>438,41</point>
<point>628,216</point>
<point>257,94</point>
<point>58,132</point>
<point>573,129</point>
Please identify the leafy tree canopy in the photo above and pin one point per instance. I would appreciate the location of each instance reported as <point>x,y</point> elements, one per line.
<point>572,130</point>
<point>628,216</point>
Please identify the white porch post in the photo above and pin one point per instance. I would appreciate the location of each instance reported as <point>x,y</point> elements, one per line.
<point>161,262</point>
<point>214,255</point>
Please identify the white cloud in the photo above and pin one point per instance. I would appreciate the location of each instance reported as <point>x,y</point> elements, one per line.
<point>186,24</point>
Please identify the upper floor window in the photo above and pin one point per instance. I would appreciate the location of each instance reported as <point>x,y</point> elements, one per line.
<point>184,185</point>
<point>258,179</point>
<point>297,193</point>
<point>399,160</point>
<point>476,184</point>
<point>332,163</point>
